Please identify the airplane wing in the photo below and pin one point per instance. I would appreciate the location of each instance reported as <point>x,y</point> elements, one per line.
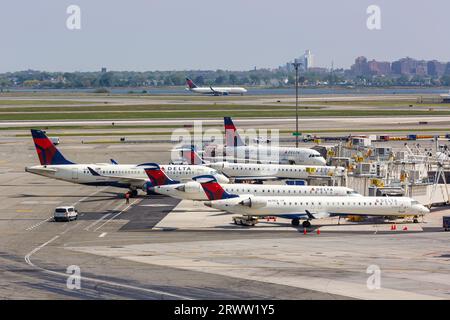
<point>218,92</point>
<point>317,215</point>
<point>121,179</point>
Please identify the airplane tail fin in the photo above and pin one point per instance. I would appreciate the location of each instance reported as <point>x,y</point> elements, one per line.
<point>191,156</point>
<point>46,150</point>
<point>157,176</point>
<point>190,83</point>
<point>212,188</point>
<point>232,137</point>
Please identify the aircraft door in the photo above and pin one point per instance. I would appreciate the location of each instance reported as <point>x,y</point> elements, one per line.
<point>75,174</point>
<point>402,207</point>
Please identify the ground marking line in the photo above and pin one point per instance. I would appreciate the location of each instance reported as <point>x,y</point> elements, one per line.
<point>97,221</point>
<point>102,218</point>
<point>111,283</point>
<point>82,199</point>
<point>103,234</point>
<point>116,215</point>
<point>39,223</point>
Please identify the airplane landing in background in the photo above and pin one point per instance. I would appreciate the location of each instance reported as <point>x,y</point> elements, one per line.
<point>215,91</point>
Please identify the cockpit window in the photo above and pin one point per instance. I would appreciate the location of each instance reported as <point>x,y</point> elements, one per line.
<point>414,202</point>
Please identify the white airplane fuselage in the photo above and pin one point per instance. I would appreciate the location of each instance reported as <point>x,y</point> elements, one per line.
<point>279,171</point>
<point>272,154</point>
<point>192,190</point>
<point>79,173</point>
<point>320,206</point>
<point>218,90</point>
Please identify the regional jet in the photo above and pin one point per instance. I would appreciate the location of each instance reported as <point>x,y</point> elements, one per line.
<point>307,208</point>
<point>192,190</point>
<point>235,147</point>
<point>263,172</point>
<point>54,165</point>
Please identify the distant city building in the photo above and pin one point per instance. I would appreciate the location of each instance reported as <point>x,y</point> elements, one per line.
<point>318,70</point>
<point>447,69</point>
<point>408,66</point>
<point>403,67</point>
<point>436,68</point>
<point>308,60</point>
<point>379,68</point>
<point>360,67</point>
<point>103,70</point>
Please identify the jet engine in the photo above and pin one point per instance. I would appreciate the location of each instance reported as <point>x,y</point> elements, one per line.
<point>190,187</point>
<point>253,202</point>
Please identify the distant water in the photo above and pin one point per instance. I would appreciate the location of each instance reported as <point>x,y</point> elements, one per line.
<point>256,91</point>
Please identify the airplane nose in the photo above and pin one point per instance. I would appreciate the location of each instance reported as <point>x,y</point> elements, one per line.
<point>424,210</point>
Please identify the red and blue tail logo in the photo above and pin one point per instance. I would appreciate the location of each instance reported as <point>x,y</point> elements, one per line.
<point>190,83</point>
<point>157,176</point>
<point>191,156</point>
<point>46,150</point>
<point>232,138</point>
<point>212,188</point>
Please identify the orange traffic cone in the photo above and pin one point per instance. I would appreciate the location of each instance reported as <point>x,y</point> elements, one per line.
<point>304,230</point>
<point>318,231</point>
<point>405,228</point>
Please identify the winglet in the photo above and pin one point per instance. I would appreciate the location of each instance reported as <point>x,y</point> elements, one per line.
<point>309,214</point>
<point>93,172</point>
<point>113,161</point>
<point>212,188</point>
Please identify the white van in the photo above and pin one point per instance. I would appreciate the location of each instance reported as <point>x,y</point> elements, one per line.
<point>55,140</point>
<point>67,213</point>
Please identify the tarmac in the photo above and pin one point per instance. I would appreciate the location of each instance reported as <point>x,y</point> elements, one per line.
<point>163,248</point>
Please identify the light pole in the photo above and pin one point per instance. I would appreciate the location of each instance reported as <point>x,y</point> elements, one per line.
<point>296,65</point>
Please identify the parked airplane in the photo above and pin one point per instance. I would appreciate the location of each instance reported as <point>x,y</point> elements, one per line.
<point>262,172</point>
<point>236,148</point>
<point>192,190</point>
<point>54,165</point>
<point>307,208</point>
<point>216,91</point>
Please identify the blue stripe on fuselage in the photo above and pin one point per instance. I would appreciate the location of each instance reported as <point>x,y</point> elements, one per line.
<point>107,184</point>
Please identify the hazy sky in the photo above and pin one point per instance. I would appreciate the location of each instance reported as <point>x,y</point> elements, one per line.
<point>208,34</point>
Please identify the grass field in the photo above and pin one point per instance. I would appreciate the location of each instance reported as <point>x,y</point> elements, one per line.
<point>215,114</point>
<point>101,127</point>
<point>168,133</point>
<point>382,103</point>
<point>151,107</point>
<point>41,102</point>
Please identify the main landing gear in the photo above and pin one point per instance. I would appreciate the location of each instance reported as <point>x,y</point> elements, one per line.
<point>296,222</point>
<point>133,193</point>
